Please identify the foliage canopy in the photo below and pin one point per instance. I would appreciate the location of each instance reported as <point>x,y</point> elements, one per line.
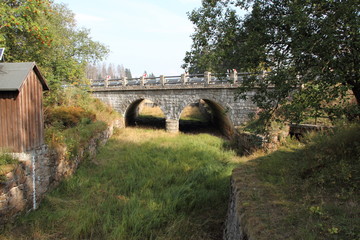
<point>309,46</point>
<point>44,32</point>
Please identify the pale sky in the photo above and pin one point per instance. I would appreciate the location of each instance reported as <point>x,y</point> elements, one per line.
<point>151,35</point>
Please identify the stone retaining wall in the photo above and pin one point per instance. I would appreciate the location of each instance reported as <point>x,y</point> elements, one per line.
<point>299,130</point>
<point>247,143</point>
<point>234,226</point>
<point>39,171</point>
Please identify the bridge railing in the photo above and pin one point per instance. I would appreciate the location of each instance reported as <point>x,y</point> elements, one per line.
<point>205,79</point>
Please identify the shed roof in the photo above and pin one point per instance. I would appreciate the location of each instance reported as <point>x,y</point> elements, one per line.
<point>13,75</point>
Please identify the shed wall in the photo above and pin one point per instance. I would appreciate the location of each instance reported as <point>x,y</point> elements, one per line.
<point>21,116</point>
<point>8,120</point>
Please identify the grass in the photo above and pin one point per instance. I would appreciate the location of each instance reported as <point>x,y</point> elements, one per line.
<point>149,184</point>
<point>304,191</point>
<point>73,138</point>
<point>191,113</point>
<point>154,111</point>
<point>144,184</point>
<point>7,164</point>
<point>75,120</point>
<point>6,159</point>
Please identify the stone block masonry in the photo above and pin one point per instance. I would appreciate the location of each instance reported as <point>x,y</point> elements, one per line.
<point>39,171</point>
<point>228,111</point>
<point>235,225</point>
<point>234,228</point>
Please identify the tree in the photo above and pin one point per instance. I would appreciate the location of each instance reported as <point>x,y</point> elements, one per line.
<point>120,71</point>
<point>91,72</point>
<point>23,20</point>
<point>128,73</point>
<point>45,32</point>
<point>309,44</point>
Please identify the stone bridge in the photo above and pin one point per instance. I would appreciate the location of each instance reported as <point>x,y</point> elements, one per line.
<point>173,94</point>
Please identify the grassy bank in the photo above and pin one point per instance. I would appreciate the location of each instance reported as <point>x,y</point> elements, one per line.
<point>75,119</point>
<point>304,191</point>
<point>144,184</point>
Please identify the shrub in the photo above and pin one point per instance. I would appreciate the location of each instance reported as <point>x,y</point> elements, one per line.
<point>336,163</point>
<point>73,104</point>
<point>68,116</point>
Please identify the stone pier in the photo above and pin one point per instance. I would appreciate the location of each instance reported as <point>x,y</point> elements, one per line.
<point>172,125</point>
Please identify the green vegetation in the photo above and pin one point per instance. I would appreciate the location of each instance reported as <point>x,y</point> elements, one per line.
<point>49,34</point>
<point>309,50</point>
<point>6,159</point>
<point>7,164</point>
<point>148,184</point>
<point>144,184</point>
<point>305,191</point>
<point>76,119</point>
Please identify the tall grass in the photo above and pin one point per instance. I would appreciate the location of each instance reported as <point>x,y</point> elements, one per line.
<point>144,184</point>
<point>305,191</point>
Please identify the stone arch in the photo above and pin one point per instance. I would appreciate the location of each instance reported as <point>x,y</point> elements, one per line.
<point>131,110</point>
<point>221,113</point>
<point>221,117</point>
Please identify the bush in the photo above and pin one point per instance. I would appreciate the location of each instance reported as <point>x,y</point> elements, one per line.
<point>68,116</point>
<point>73,104</point>
<point>333,159</point>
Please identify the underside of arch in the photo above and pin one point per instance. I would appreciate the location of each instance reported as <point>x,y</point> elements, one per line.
<point>219,118</point>
<point>144,112</point>
<point>132,112</point>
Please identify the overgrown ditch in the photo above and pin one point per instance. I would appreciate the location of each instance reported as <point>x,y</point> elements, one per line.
<point>143,184</point>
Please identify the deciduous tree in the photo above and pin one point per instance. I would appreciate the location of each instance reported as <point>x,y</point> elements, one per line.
<point>311,46</point>
<point>46,33</point>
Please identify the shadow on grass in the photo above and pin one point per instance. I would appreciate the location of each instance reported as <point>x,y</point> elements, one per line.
<point>185,125</point>
<point>301,192</point>
<point>166,188</point>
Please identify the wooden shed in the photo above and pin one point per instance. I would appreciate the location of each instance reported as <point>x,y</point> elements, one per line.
<point>21,106</point>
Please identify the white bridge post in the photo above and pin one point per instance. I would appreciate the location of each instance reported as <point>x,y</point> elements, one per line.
<point>207,78</point>
<point>184,78</point>
<point>142,81</point>
<point>162,80</point>
<point>233,77</point>
<point>124,81</point>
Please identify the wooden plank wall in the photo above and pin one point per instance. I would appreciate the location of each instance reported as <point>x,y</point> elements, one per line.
<point>8,126</point>
<point>21,116</point>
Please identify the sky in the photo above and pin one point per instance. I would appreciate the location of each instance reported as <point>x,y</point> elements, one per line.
<point>142,35</point>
